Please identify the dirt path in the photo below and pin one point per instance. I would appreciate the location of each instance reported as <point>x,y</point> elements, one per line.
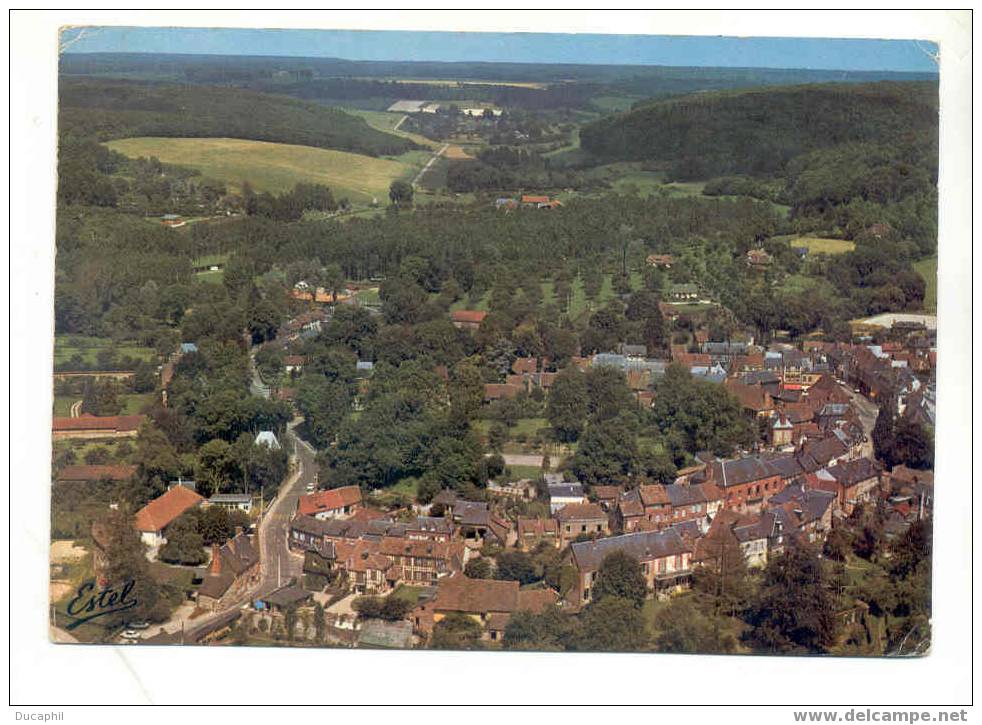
<point>76,409</point>
<point>437,154</point>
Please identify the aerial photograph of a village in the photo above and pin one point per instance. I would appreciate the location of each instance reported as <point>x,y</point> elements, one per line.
<point>580,356</point>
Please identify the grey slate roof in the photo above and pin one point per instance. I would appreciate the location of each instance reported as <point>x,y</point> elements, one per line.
<point>742,470</point>
<point>644,546</point>
<point>565,489</point>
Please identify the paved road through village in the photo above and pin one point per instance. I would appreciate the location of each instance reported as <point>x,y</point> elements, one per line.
<point>277,563</point>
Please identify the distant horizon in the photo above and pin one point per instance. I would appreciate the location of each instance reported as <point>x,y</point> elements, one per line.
<point>812,54</point>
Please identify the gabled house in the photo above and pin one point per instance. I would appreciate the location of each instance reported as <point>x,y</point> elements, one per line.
<point>531,531</point>
<point>747,483</point>
<point>156,516</point>
<point>581,519</point>
<point>665,558</point>
<point>488,602</point>
<point>234,568</point>
<point>467,319</point>
<point>330,504</point>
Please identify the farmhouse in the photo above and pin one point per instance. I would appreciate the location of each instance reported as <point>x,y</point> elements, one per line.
<point>467,319</point>
<point>487,601</point>
<point>92,426</point>
<point>153,518</point>
<point>335,503</point>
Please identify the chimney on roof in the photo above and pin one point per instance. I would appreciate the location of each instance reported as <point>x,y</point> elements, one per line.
<point>216,560</point>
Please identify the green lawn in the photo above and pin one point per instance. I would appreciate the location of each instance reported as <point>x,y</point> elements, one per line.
<point>613,104</point>
<point>520,472</point>
<point>207,260</point>
<point>133,403</point>
<point>410,594</point>
<point>66,346</point>
<point>216,277</point>
<point>928,269</point>
<point>63,404</point>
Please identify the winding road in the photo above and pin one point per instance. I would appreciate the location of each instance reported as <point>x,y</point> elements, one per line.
<point>277,564</point>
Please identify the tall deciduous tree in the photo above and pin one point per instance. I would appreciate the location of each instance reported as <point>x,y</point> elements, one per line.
<point>620,576</point>
<point>794,610</point>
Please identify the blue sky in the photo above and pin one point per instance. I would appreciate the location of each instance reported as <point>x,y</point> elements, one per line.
<point>815,53</point>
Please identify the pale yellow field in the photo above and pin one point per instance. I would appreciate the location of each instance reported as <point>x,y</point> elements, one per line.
<point>273,167</point>
<point>820,245</point>
<point>441,82</point>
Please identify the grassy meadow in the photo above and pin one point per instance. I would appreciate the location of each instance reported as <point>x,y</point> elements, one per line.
<point>273,167</point>
<point>928,269</point>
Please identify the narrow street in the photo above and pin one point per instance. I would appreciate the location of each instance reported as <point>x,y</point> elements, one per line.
<point>277,564</point>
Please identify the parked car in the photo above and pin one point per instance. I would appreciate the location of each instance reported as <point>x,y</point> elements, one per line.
<point>130,634</point>
<point>138,625</point>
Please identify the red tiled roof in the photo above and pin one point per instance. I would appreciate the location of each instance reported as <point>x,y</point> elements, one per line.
<point>525,365</point>
<point>96,473</point>
<point>94,422</point>
<point>530,199</point>
<point>474,316</point>
<point>336,498</point>
<point>493,391</point>
<point>157,514</point>
<point>751,397</point>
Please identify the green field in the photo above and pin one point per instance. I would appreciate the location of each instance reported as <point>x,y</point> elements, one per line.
<point>822,245</point>
<point>928,269</point>
<point>67,346</point>
<point>208,260</point>
<point>273,167</point>
<point>387,122</point>
<point>133,403</point>
<point>215,277</point>
<point>613,104</point>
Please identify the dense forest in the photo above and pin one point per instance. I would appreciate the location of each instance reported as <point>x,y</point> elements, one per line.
<point>105,110</point>
<point>639,81</point>
<point>843,157</point>
<point>760,131</point>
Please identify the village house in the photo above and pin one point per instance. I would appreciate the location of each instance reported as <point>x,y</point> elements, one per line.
<point>531,531</point>
<point>498,391</point>
<point>753,398</point>
<point>156,516</point>
<point>665,558</point>
<point>562,493</point>
<point>368,570</point>
<point>606,496</point>
<point>664,505</point>
<point>488,602</point>
<point>422,563</point>
<point>687,292</point>
<point>747,483</point>
<point>476,523</point>
<point>88,426</point>
<point>234,568</point>
<point>663,261</point>
<point>851,482</point>
<point>467,319</point>
<point>330,504</point>
<point>581,519</point>
<point>758,258</point>
<point>232,501</point>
